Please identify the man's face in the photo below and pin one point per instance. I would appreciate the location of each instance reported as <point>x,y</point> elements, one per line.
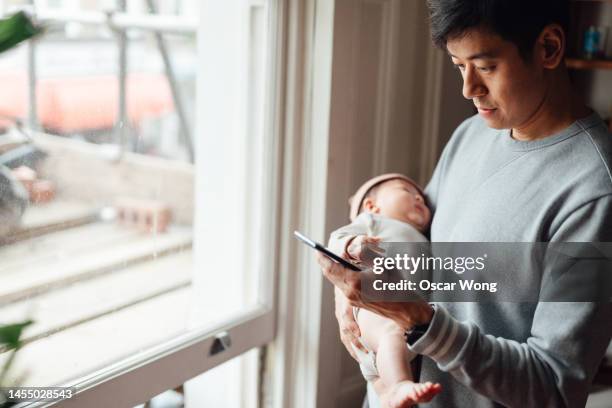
<point>506,90</point>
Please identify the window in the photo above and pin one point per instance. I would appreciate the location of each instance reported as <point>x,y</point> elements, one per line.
<point>138,121</point>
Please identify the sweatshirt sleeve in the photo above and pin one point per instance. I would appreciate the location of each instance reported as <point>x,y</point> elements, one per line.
<point>555,366</point>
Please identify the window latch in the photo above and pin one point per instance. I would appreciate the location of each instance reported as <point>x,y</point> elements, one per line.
<point>221,343</point>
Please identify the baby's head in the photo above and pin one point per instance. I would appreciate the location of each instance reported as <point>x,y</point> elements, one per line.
<point>393,196</point>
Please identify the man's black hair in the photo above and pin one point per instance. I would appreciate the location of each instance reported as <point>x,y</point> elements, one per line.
<point>517,21</point>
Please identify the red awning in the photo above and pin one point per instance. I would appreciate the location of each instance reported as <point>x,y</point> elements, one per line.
<point>85,103</point>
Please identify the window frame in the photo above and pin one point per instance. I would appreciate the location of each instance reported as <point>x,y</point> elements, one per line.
<point>136,379</point>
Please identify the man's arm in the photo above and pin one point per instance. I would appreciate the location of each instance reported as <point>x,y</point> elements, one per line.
<point>556,364</point>
<point>553,368</point>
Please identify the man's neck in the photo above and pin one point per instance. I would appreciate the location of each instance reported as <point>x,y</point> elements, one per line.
<point>558,110</point>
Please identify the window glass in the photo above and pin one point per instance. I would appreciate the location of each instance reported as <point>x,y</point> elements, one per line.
<point>101,179</point>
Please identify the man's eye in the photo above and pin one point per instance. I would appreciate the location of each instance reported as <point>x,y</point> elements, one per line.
<point>486,69</point>
<point>459,67</point>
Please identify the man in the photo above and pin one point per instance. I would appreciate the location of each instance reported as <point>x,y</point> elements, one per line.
<point>536,166</point>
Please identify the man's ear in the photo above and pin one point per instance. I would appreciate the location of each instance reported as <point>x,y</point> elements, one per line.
<point>550,46</point>
<point>370,206</point>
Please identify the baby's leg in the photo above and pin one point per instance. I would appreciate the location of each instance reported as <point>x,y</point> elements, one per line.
<point>387,340</point>
<point>393,362</point>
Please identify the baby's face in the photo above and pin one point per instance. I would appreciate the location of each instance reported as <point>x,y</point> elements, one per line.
<point>400,200</point>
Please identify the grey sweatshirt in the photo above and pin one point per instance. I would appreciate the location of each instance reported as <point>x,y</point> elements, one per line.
<point>488,187</point>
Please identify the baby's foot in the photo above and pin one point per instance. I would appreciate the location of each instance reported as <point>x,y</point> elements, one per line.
<point>407,393</point>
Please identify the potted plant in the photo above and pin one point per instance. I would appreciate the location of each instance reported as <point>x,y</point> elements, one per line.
<point>10,342</point>
<point>15,29</point>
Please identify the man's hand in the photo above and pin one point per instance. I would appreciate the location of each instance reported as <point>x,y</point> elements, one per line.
<point>349,329</point>
<point>406,315</point>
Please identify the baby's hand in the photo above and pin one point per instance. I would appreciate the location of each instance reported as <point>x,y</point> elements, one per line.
<point>356,247</point>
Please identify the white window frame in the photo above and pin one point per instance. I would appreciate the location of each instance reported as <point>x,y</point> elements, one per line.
<point>137,379</point>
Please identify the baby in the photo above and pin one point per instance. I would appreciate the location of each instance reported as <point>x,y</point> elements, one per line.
<point>388,208</point>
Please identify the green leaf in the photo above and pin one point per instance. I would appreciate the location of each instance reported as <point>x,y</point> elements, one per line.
<point>16,29</point>
<point>11,333</point>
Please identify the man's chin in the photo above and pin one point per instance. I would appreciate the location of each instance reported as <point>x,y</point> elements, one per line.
<point>495,124</point>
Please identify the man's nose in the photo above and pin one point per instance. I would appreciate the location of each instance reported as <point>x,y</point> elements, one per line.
<point>472,85</point>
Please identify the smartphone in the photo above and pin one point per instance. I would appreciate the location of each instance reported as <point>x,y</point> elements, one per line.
<point>326,252</point>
